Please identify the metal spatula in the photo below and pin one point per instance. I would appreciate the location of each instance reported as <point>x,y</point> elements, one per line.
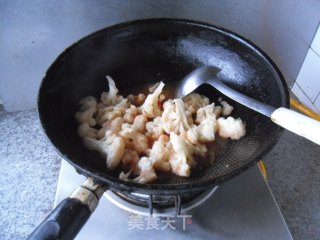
<point>286,118</point>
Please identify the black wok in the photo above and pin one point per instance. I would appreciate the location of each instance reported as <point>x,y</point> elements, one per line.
<point>137,54</point>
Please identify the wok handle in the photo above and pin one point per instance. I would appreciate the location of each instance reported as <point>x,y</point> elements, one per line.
<point>66,220</point>
<point>297,123</point>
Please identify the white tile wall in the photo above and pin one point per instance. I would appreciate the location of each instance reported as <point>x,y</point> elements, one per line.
<point>296,89</point>
<point>316,42</point>
<point>307,85</point>
<point>317,103</point>
<point>309,75</point>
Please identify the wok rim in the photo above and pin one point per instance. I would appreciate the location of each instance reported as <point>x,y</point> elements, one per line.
<point>117,184</point>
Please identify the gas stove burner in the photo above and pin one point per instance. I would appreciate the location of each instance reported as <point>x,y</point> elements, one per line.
<point>158,201</point>
<point>158,205</point>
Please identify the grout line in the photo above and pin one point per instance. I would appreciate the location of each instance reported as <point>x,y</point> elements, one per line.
<point>305,57</point>
<point>314,52</point>
<point>314,35</point>
<point>308,97</point>
<point>316,97</point>
<point>304,92</point>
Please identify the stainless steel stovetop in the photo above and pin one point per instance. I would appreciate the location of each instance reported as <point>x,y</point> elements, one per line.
<point>242,208</point>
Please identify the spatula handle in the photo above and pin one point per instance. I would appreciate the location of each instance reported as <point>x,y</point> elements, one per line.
<point>297,123</point>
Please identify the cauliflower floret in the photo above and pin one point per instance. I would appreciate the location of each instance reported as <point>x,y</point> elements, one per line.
<point>198,150</point>
<point>102,132</point>
<point>124,176</point>
<point>147,173</point>
<point>111,146</point>
<point>106,113</point>
<point>189,116</point>
<point>150,107</point>
<point>194,101</point>
<point>130,114</point>
<point>174,117</point>
<point>192,135</point>
<point>230,127</point>
<point>113,125</point>
<point>162,98</point>
<point>206,130</point>
<point>160,153</point>
<point>111,112</point>
<point>116,124</point>
<point>154,128</point>
<point>86,116</point>
<point>130,159</point>
<point>136,100</point>
<point>209,111</point>
<point>134,140</point>
<point>153,87</point>
<point>88,102</point>
<point>206,117</point>
<point>111,98</point>
<point>88,107</point>
<point>226,108</point>
<point>139,123</point>
<point>128,138</point>
<point>217,111</point>
<point>181,158</point>
<point>84,130</point>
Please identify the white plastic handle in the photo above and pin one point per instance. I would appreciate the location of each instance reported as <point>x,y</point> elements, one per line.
<point>297,123</point>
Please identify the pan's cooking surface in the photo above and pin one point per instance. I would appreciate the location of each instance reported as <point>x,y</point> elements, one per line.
<point>140,53</point>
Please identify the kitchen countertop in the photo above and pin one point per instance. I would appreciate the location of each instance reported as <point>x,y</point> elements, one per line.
<point>29,169</point>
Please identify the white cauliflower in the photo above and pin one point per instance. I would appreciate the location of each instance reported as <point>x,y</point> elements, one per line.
<point>181,157</point>
<point>111,112</point>
<point>154,128</point>
<point>136,100</point>
<point>160,153</point>
<point>116,124</point>
<point>102,132</point>
<point>153,87</point>
<point>147,173</point>
<point>84,130</point>
<point>88,102</point>
<point>162,98</point>
<point>113,125</point>
<point>86,117</point>
<point>88,107</point>
<point>130,114</point>
<point>106,113</point>
<point>209,111</point>
<point>231,128</point>
<point>134,140</point>
<point>206,130</point>
<point>206,118</point>
<point>130,159</point>
<point>194,101</point>
<point>124,176</point>
<point>174,117</point>
<point>137,137</point>
<point>111,146</point>
<point>192,135</point>
<point>198,150</point>
<point>150,107</point>
<point>111,98</point>
<point>226,108</point>
<point>139,123</point>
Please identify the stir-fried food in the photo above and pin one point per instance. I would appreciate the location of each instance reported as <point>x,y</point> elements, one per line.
<point>149,134</point>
